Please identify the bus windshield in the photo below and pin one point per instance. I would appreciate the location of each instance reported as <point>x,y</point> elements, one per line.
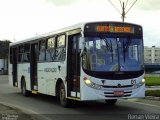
<point>113,54</point>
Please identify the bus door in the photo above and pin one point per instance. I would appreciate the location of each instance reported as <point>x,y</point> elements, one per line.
<point>73,67</point>
<point>33,66</point>
<point>14,68</point>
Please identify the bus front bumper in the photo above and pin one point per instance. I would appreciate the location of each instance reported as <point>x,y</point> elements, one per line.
<point>88,93</point>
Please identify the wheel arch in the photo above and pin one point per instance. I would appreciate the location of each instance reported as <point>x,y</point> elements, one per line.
<point>59,81</point>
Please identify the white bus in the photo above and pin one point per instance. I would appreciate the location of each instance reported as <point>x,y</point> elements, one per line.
<point>87,61</point>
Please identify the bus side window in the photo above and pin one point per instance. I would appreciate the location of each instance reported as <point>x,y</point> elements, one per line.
<point>20,53</point>
<point>42,49</point>
<point>50,50</point>
<point>61,48</point>
<point>26,54</point>
<point>36,52</point>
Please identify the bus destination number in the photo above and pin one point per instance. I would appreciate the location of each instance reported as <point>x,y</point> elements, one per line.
<point>50,69</point>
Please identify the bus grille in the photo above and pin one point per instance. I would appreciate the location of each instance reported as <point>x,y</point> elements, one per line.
<point>111,94</point>
<point>124,86</point>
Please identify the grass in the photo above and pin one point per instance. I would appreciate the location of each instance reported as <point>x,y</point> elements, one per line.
<point>152,81</point>
<point>155,93</point>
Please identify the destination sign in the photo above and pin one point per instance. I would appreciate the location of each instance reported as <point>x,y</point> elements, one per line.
<point>114,29</point>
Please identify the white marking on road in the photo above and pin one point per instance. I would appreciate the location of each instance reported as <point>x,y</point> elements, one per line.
<point>141,103</point>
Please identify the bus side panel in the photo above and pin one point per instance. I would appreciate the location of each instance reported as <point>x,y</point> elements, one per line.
<point>26,74</point>
<point>19,74</point>
<point>41,77</point>
<point>10,75</point>
<point>48,74</point>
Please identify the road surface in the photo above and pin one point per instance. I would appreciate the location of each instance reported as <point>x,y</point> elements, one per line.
<point>48,108</point>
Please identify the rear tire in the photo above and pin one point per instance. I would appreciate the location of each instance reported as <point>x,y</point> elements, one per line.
<point>111,102</point>
<point>24,91</point>
<point>62,97</point>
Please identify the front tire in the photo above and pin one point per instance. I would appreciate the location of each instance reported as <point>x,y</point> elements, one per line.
<point>62,97</point>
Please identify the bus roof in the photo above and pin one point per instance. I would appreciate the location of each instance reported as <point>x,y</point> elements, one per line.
<point>76,26</point>
<point>66,29</point>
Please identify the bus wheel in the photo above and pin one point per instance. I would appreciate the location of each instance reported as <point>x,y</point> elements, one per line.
<point>62,97</point>
<point>111,102</point>
<point>24,91</point>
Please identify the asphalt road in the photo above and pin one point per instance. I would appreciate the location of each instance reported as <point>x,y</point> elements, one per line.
<point>48,108</point>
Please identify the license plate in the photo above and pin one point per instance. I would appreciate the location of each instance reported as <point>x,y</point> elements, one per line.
<point>118,93</point>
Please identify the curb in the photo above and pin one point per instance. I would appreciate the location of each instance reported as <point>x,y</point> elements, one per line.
<point>152,86</point>
<point>152,98</point>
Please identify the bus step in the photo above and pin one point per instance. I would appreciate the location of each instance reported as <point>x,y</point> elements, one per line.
<point>74,98</point>
<point>34,91</point>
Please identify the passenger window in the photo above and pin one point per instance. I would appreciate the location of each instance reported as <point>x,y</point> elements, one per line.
<point>50,51</point>
<point>42,49</point>
<point>20,53</point>
<point>61,48</point>
<point>61,41</point>
<point>26,55</point>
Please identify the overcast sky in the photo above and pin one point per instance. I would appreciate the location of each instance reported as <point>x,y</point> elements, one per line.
<point>20,19</point>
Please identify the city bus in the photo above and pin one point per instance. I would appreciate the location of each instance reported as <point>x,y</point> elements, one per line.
<point>83,62</point>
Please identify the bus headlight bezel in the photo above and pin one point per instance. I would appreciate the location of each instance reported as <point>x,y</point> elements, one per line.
<point>91,84</point>
<point>142,82</point>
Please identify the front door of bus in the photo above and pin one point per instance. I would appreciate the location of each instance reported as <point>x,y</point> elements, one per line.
<point>73,67</point>
<point>14,68</point>
<point>33,66</point>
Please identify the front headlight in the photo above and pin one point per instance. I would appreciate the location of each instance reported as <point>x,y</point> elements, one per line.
<point>91,84</point>
<point>143,80</point>
<point>88,82</point>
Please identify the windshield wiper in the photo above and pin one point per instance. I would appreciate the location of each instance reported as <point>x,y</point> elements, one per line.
<point>124,50</point>
<point>111,51</point>
<point>109,47</point>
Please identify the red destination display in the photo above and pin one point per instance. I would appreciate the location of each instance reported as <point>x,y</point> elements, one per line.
<point>116,29</point>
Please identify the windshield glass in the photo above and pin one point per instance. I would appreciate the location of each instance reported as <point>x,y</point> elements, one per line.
<point>112,54</point>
